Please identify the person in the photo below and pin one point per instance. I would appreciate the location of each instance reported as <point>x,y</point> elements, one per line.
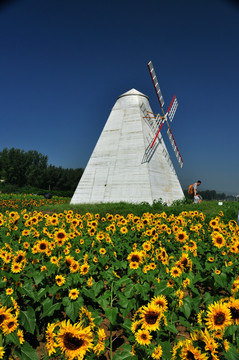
<point>197,198</point>
<point>195,186</point>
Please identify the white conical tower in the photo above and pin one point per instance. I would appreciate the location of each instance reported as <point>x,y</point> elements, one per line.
<point>119,169</point>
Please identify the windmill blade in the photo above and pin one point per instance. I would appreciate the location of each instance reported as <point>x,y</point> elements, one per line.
<point>172,108</point>
<point>175,148</point>
<point>157,134</point>
<point>156,84</point>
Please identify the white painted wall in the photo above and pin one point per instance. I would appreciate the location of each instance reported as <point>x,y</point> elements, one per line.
<point>115,171</point>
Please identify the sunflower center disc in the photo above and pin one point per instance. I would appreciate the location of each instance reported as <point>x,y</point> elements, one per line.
<point>72,342</point>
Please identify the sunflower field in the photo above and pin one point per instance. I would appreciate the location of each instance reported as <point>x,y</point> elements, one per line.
<point>87,286</point>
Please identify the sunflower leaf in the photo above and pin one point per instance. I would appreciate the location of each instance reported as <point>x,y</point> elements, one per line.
<point>166,346</point>
<point>28,319</point>
<point>186,308</point>
<point>130,306</point>
<point>172,328</point>
<point>27,289</point>
<point>232,353</point>
<point>72,310</point>
<point>40,293</point>
<point>111,314</point>
<point>49,308</point>
<point>221,280</point>
<point>124,353</point>
<point>97,287</point>
<point>12,338</point>
<point>28,353</point>
<point>38,278</point>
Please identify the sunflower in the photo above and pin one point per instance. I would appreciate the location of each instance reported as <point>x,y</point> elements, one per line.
<point>192,245</point>
<point>181,236</point>
<point>158,352</point>
<point>85,317</point>
<point>163,256</point>
<point>124,230</point>
<point>189,352</point>
<point>60,280</point>
<point>100,236</point>
<point>20,257</point>
<point>147,245</point>
<point>54,260</point>
<point>160,301</point>
<point>226,345</point>
<point>92,231</point>
<point>54,221</point>
<point>152,266</point>
<point>42,246</point>
<point>74,340</point>
<point>234,309</point>
<point>51,344</point>
<point>10,325</point>
<point>146,269</point>
<point>60,237</point>
<point>90,281</point>
<point>210,344</point>
<point>26,232</point>
<point>135,325</point>
<point>213,223</point>
<point>69,260</point>
<point>134,265</point>
<point>73,294</point>
<point>100,346</point>
<point>235,286</point>
<point>186,283</point>
<point>84,269</point>
<point>74,266</point>
<point>135,256</point>
<point>26,245</point>
<point>9,291</point>
<point>5,314</point>
<point>184,262</point>
<point>218,239</point>
<point>175,271</point>
<point>20,336</point>
<point>170,283</point>
<point>143,337</point>
<point>102,251</point>
<point>16,268</point>
<point>2,352</point>
<point>218,316</point>
<point>150,315</point>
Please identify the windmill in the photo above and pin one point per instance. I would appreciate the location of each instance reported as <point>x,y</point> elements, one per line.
<point>130,161</point>
<point>156,121</point>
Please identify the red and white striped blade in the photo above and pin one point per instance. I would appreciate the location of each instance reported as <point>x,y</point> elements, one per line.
<point>157,134</point>
<point>175,148</point>
<point>156,84</point>
<point>172,108</point>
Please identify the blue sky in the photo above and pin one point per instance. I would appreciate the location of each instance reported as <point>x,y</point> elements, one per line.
<point>63,65</point>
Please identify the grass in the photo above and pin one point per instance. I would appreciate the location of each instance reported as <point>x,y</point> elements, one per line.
<point>209,208</point>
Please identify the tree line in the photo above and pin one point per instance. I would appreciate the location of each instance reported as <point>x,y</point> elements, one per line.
<point>212,195</point>
<point>22,169</point>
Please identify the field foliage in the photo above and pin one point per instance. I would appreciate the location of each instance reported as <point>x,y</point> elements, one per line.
<point>118,281</point>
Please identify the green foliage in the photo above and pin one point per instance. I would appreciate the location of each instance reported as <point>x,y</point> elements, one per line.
<point>22,170</point>
<point>118,258</point>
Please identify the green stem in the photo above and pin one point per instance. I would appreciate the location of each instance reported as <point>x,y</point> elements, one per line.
<point>111,333</point>
<point>234,338</point>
